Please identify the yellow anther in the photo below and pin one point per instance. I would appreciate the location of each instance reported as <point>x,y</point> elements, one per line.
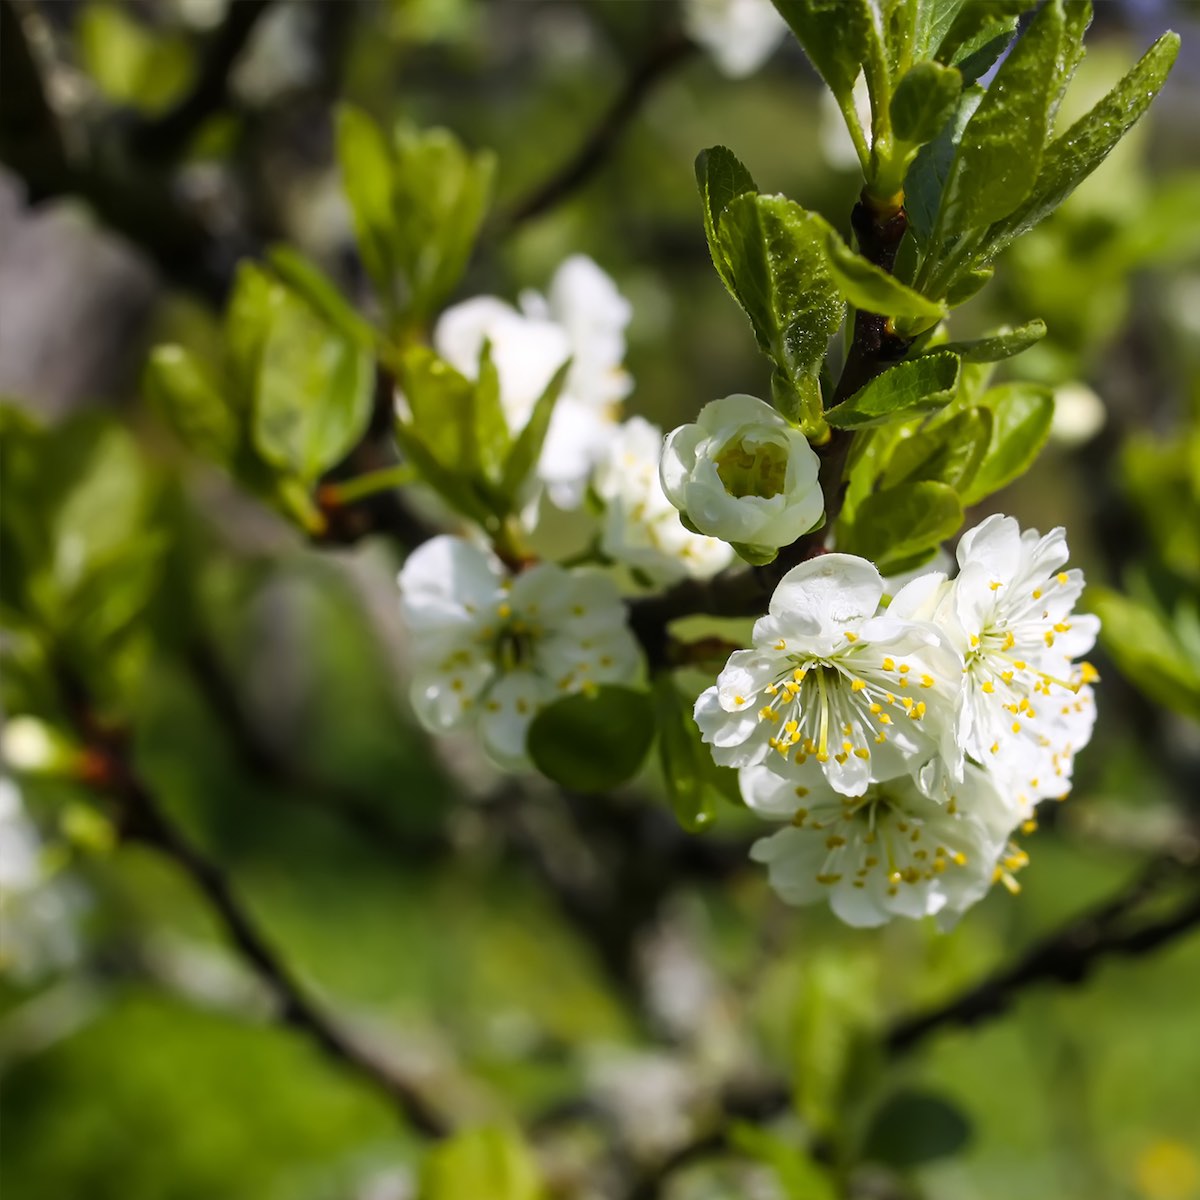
<point>799,817</point>
<point>767,713</point>
<point>1007,676</point>
<point>995,747</point>
<point>959,859</point>
<point>989,686</point>
<point>927,681</point>
<point>1009,640</point>
<point>995,585</point>
<point>801,792</point>
<point>905,668</point>
<point>1048,638</point>
<point>876,708</point>
<point>781,644</point>
<point>1016,727</point>
<point>858,685</point>
<point>822,758</point>
<point>834,840</point>
<point>1088,673</point>
<point>889,664</point>
<point>1019,663</point>
<point>918,712</point>
<point>799,673</point>
<point>1062,627</point>
<point>880,738</point>
<point>1062,577</point>
<point>884,719</point>
<point>504,611</point>
<point>974,641</point>
<point>850,637</point>
<point>739,700</point>
<point>862,752</point>
<point>1037,593</point>
<point>834,878</point>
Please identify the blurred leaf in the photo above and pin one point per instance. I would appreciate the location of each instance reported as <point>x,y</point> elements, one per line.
<point>313,400</point>
<point>1021,416</point>
<point>798,1176</point>
<point>491,425</point>
<point>1070,159</point>
<point>682,756</point>
<point>721,178</point>
<point>491,1162</point>
<point>527,446</point>
<point>452,486</point>
<point>366,165</point>
<point>922,384</point>
<point>131,65</point>
<point>442,403</point>
<point>947,453</point>
<point>1004,344</point>
<point>902,522</point>
<point>592,743</point>
<point>252,309</point>
<point>924,100</point>
<point>775,254</point>
<point>911,1128</point>
<point>867,287</point>
<point>192,405</point>
<point>309,282</point>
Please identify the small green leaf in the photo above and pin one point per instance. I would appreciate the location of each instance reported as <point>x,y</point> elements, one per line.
<point>867,287</point>
<point>253,307</point>
<point>900,523</point>
<point>490,1162</point>
<point>798,1175</point>
<point>366,165</point>
<point>968,284</point>
<point>924,100</point>
<point>310,282</point>
<point>682,756</point>
<point>442,403</point>
<point>192,404</point>
<point>926,178</point>
<point>453,487</point>
<point>756,556</point>
<point>314,393</point>
<point>997,346</point>
<point>130,64</point>
<point>527,445</point>
<point>1021,416</point>
<point>911,1128</point>
<point>839,37</point>
<point>593,743</point>
<point>918,385</point>
<point>948,453</point>
<point>721,178</point>
<point>1070,159</point>
<point>491,425</point>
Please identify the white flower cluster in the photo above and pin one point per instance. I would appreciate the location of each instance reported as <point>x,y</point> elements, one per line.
<point>37,913</point>
<point>905,742</point>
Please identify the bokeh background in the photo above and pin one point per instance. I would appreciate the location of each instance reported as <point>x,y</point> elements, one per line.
<point>575,964</point>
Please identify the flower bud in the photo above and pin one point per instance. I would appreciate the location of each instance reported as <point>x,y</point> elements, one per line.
<point>743,474</point>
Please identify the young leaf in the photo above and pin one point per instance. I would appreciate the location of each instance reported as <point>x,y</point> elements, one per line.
<point>721,178</point>
<point>453,487</point>
<point>192,404</point>
<point>912,1127</point>
<point>926,178</point>
<point>997,346</point>
<point>593,743</point>
<point>948,453</point>
<point>1021,416</point>
<point>776,256</point>
<point>839,36</point>
<point>1001,147</point>
<point>366,163</point>
<point>313,399</point>
<point>252,309</point>
<point>491,425</point>
<point>306,279</point>
<point>1070,159</point>
<point>682,757</point>
<point>527,446</point>
<point>898,524</point>
<point>919,385</point>
<point>867,287</point>
<point>924,101</point>
<point>489,1162</point>
<point>442,403</point>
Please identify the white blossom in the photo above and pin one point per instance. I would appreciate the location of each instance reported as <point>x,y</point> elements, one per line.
<point>743,474</point>
<point>739,34</point>
<point>833,688</point>
<point>583,318</point>
<point>889,852</point>
<point>641,526</point>
<point>491,648</point>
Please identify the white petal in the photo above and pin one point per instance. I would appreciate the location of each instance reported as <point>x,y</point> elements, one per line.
<point>832,591</point>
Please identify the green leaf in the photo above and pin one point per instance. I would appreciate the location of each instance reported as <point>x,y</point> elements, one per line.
<point>839,37</point>
<point>311,283</point>
<point>911,1128</point>
<point>900,523</point>
<point>490,1162</point>
<point>491,425</point>
<point>867,287</point>
<point>527,446</point>
<point>721,178</point>
<point>919,385</point>
<point>948,453</point>
<point>1070,159</point>
<point>1001,147</point>
<point>926,178</point>
<point>314,393</point>
<point>1021,416</point>
<point>924,100</point>
<point>798,1175</point>
<point>682,756</point>
<point>968,284</point>
<point>593,743</point>
<point>129,64</point>
<point>932,21</point>
<point>776,256</point>
<point>256,301</point>
<point>997,346</point>
<point>191,403</point>
<point>442,403</point>
<point>453,487</point>
<point>366,165</point>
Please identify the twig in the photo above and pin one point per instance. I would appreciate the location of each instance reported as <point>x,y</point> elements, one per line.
<point>671,50</point>
<point>166,138</point>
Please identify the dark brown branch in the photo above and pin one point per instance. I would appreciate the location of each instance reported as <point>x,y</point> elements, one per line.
<point>669,52</point>
<point>166,138</point>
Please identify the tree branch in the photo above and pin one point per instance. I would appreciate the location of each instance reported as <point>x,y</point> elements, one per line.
<point>671,50</point>
<point>166,138</point>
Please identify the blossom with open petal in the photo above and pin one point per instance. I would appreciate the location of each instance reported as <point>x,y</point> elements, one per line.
<point>491,649</point>
<point>833,687</point>
<point>743,474</point>
<point>889,852</point>
<point>641,526</point>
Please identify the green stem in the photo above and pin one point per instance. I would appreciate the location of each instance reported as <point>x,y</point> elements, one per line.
<point>349,491</point>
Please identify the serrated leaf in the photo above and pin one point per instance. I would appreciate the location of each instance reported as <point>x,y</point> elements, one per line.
<point>682,756</point>
<point>1070,159</point>
<point>721,178</point>
<point>491,1162</point>
<point>867,287</point>
<point>899,523</point>
<point>997,346</point>
<point>307,280</point>
<point>838,36</point>
<point>948,453</point>
<point>912,1127</point>
<point>313,399</point>
<point>1001,148</point>
<point>191,403</point>
<point>593,742</point>
<point>527,446</point>
<point>776,256</point>
<point>924,100</point>
<point>919,385</point>
<point>1021,416</point>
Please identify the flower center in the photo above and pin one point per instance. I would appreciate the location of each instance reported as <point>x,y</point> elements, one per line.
<point>513,646</point>
<point>752,470</point>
